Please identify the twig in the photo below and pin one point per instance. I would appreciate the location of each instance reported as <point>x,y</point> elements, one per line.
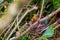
<point>49,16</point>
<point>34,8</point>
<point>28,3</point>
<point>41,9</point>
<point>4,30</point>
<point>57,26</point>
<point>45,18</point>
<point>52,20</point>
<point>49,26</point>
<point>58,21</point>
<point>13,22</point>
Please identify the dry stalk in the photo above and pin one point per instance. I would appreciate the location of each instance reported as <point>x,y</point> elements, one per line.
<point>28,10</point>
<point>4,30</point>
<point>13,22</point>
<point>41,8</point>
<point>57,26</point>
<point>49,16</point>
<point>45,18</point>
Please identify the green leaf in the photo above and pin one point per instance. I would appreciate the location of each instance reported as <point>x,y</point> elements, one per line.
<point>0,38</point>
<point>48,33</point>
<point>56,3</point>
<point>42,38</point>
<point>10,1</point>
<point>24,37</point>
